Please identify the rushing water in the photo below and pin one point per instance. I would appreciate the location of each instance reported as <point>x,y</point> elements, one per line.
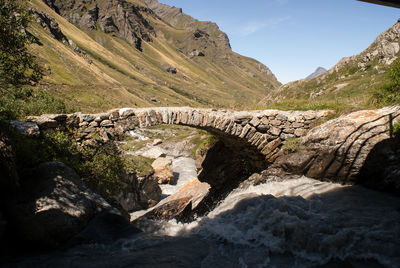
<point>295,223</point>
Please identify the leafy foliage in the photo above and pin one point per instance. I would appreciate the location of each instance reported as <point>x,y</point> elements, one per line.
<point>17,66</point>
<point>99,165</point>
<point>19,69</point>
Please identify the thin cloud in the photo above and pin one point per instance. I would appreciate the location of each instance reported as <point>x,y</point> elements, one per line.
<point>255,26</point>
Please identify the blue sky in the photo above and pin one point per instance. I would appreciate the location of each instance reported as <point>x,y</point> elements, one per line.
<point>294,37</point>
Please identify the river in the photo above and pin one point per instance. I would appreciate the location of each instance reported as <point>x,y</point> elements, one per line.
<point>295,223</point>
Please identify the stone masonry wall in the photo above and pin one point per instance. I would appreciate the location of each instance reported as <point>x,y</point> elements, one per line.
<point>264,130</point>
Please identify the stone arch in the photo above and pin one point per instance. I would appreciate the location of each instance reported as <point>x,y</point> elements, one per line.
<point>260,132</point>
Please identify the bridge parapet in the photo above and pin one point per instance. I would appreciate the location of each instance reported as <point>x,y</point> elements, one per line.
<point>264,130</point>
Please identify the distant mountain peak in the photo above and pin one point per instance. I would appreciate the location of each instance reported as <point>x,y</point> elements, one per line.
<point>317,72</point>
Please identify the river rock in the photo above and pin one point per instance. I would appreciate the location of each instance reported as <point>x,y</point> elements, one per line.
<point>59,206</point>
<point>106,227</point>
<point>163,170</point>
<point>181,203</point>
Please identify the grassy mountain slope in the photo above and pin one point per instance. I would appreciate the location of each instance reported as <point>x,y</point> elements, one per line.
<point>351,84</point>
<point>127,55</point>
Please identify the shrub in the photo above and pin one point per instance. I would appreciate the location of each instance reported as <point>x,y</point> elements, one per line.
<point>23,101</point>
<point>139,165</point>
<point>292,145</point>
<point>389,93</point>
<point>100,165</point>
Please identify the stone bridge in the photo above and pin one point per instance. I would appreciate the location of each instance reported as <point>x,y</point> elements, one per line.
<point>262,132</point>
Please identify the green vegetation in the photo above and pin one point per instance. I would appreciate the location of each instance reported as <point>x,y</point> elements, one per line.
<point>292,145</point>
<point>99,165</point>
<point>139,165</point>
<point>17,66</point>
<point>203,142</point>
<point>389,93</point>
<point>19,69</point>
<point>197,139</point>
<point>123,76</point>
<point>24,101</point>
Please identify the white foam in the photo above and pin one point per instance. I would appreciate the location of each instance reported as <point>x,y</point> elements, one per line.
<point>313,220</point>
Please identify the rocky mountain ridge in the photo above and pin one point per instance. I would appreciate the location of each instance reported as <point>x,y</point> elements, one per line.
<point>319,71</point>
<point>119,17</point>
<point>352,81</point>
<point>137,56</point>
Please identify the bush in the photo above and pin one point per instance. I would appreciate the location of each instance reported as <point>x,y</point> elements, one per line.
<point>100,165</point>
<point>389,93</point>
<point>23,101</point>
<point>139,165</point>
<point>394,74</point>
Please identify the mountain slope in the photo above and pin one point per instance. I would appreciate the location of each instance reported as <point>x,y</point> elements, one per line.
<point>317,72</point>
<point>110,53</point>
<point>350,84</point>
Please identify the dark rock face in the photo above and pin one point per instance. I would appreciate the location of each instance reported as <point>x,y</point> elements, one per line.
<point>181,204</point>
<point>106,227</point>
<point>139,193</point>
<point>180,20</point>
<point>56,207</point>
<point>50,25</point>
<point>118,17</point>
<point>381,170</point>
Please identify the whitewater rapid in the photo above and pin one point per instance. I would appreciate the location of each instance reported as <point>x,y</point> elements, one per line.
<point>314,222</point>
<point>295,223</point>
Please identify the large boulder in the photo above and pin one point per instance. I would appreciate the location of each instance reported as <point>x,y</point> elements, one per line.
<point>354,148</point>
<point>56,206</point>
<point>163,170</point>
<point>140,192</point>
<point>182,203</point>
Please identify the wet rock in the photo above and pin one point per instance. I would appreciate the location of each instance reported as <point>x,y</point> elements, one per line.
<point>163,170</point>
<point>181,203</point>
<point>139,193</point>
<point>106,227</point>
